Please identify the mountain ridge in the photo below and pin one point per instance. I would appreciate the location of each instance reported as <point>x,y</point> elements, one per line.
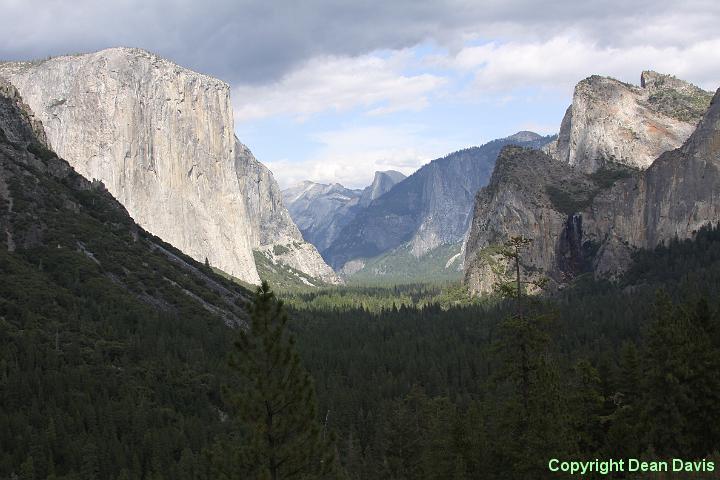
<point>428,209</point>
<point>322,210</point>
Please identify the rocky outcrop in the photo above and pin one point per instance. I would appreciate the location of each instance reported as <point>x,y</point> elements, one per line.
<point>592,222</point>
<point>429,209</point>
<point>381,184</point>
<point>19,123</point>
<point>613,122</point>
<point>161,139</point>
<point>674,198</point>
<point>534,196</point>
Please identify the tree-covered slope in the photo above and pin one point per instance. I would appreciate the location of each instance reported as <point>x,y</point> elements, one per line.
<point>112,343</point>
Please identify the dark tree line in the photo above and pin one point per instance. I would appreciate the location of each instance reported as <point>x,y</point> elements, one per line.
<point>95,385</point>
<point>599,371</point>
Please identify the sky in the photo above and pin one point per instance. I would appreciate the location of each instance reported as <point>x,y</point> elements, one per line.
<point>331,91</point>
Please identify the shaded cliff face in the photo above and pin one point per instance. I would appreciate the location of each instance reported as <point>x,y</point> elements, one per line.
<point>613,122</point>
<point>276,236</point>
<point>429,209</point>
<point>675,197</point>
<point>161,139</point>
<point>321,211</point>
<point>532,195</point>
<point>64,234</point>
<point>592,222</point>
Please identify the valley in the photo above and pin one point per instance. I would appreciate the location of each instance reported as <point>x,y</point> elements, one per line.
<point>168,311</point>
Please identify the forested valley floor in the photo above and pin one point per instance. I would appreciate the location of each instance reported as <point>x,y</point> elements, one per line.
<point>413,382</point>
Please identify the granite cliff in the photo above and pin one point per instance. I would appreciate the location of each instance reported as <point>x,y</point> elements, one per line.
<point>587,209</point>
<point>614,122</point>
<point>677,195</point>
<point>67,241</point>
<point>161,139</point>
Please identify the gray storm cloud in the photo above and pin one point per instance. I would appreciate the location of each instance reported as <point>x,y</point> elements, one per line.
<point>259,41</point>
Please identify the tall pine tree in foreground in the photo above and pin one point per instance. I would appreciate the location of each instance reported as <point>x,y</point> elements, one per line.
<point>531,426</point>
<point>277,410</point>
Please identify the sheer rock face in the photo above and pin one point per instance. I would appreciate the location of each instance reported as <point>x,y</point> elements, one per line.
<point>579,223</point>
<point>518,202</point>
<point>429,209</point>
<point>271,222</point>
<point>613,122</point>
<point>161,139</point>
<point>382,183</point>
<point>321,211</point>
<point>674,198</point>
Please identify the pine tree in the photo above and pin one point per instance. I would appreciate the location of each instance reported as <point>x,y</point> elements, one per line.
<point>533,425</point>
<point>624,433</point>
<point>667,393</point>
<point>515,287</point>
<point>277,410</point>
<point>587,402</point>
<point>682,388</point>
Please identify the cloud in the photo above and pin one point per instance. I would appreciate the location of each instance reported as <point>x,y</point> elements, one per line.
<point>351,156</point>
<point>256,41</point>
<point>371,82</point>
<point>365,59</point>
<point>560,62</point>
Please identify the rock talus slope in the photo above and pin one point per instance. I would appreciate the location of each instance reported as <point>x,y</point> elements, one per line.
<point>161,139</point>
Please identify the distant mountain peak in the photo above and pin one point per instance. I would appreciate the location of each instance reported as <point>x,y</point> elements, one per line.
<point>382,183</point>
<point>525,136</point>
<point>393,174</point>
